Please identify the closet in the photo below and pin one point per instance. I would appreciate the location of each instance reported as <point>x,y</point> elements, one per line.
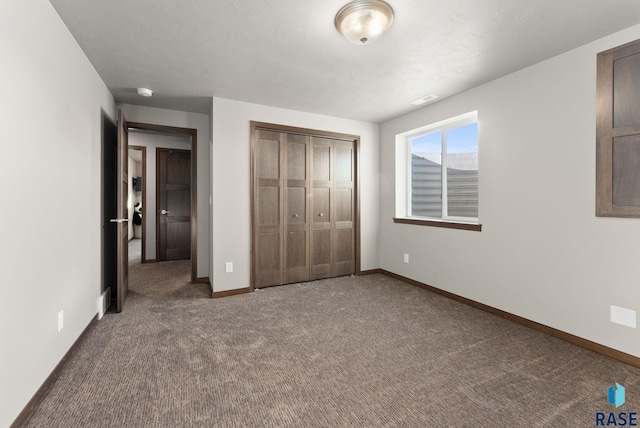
<point>304,210</point>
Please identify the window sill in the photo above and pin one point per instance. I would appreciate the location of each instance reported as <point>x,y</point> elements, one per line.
<point>439,223</point>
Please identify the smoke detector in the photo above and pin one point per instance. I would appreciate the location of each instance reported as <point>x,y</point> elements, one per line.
<point>145,92</point>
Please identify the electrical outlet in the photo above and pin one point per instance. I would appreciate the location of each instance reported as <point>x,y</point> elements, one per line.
<point>406,258</point>
<point>60,320</point>
<point>228,267</point>
<point>622,316</point>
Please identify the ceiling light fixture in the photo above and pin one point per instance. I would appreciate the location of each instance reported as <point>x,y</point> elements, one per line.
<point>145,92</point>
<point>363,21</point>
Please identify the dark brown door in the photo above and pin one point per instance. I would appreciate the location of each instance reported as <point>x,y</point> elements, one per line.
<point>303,208</point>
<point>332,208</point>
<point>321,254</point>
<point>297,161</point>
<point>343,208</point>
<point>122,281</point>
<point>173,204</point>
<point>268,209</point>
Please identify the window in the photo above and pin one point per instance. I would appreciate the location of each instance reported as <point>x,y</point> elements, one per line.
<point>441,171</point>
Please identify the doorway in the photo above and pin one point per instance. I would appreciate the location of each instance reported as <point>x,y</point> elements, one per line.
<point>137,202</point>
<point>149,206</point>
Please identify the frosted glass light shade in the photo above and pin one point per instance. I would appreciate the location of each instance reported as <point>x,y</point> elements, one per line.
<point>363,21</point>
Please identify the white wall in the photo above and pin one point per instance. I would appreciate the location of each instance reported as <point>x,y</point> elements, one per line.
<point>152,142</point>
<point>542,253</point>
<point>184,120</point>
<point>51,242</point>
<point>231,183</point>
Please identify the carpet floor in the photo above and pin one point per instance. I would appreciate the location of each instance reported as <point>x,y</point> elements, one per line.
<point>348,352</point>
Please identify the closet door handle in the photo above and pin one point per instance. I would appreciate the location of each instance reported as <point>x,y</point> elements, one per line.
<point>295,215</point>
<point>321,215</point>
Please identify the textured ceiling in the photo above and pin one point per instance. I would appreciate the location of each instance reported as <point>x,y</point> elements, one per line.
<point>287,53</point>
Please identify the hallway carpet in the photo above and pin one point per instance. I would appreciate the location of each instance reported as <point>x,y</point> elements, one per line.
<point>348,352</point>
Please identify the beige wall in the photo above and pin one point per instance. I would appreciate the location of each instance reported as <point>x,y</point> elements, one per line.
<point>231,182</point>
<point>542,253</point>
<point>51,241</point>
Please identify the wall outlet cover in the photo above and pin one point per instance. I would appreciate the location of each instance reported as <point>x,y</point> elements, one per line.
<point>623,316</point>
<point>228,267</point>
<point>406,258</point>
<point>101,306</point>
<point>60,320</point>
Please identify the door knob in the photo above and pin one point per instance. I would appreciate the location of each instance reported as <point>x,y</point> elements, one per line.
<point>295,215</point>
<point>321,215</point>
<point>119,220</point>
<point>165,212</point>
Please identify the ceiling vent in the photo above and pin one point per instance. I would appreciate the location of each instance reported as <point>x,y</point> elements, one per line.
<point>424,99</point>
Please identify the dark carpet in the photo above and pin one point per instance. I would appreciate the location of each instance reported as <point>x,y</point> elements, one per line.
<point>348,352</point>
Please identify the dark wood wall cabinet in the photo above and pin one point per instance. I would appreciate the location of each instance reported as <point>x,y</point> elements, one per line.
<point>304,209</point>
<point>618,132</point>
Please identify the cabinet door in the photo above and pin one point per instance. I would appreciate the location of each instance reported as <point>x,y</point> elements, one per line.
<point>268,198</point>
<point>618,132</point>
<point>297,208</point>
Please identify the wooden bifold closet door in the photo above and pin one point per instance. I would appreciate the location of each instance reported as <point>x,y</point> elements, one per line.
<point>303,207</point>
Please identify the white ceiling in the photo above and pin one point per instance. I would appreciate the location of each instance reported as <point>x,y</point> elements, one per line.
<point>287,53</point>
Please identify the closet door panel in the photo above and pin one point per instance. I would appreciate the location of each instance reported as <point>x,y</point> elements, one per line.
<point>268,199</point>
<point>321,205</point>
<point>321,258</point>
<point>296,157</point>
<point>321,254</point>
<point>268,155</point>
<point>343,168</point>
<point>321,159</point>
<point>296,205</point>
<point>344,262</point>
<point>343,201</point>
<point>296,267</point>
<point>269,206</point>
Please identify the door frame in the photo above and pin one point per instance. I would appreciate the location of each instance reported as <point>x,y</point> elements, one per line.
<point>143,149</point>
<point>314,133</point>
<point>193,136</point>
